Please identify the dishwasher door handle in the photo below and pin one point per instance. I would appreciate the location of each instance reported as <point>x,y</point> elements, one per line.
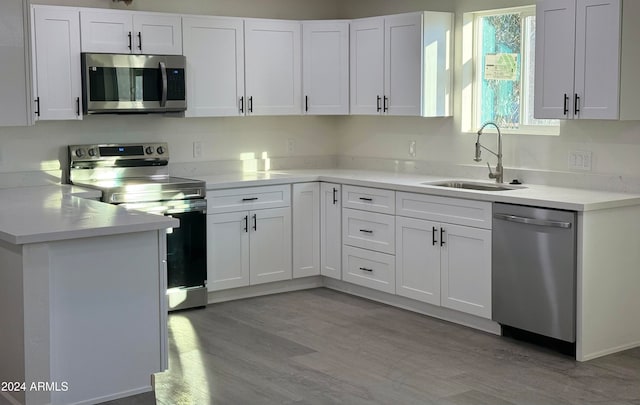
<point>533,221</point>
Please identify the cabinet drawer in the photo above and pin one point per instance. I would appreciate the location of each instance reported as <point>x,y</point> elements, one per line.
<point>369,199</point>
<point>443,209</point>
<point>249,198</point>
<point>369,230</point>
<point>369,269</point>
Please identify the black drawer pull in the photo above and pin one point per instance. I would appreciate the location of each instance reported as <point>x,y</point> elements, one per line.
<point>565,110</point>
<point>366,199</point>
<point>366,269</point>
<point>442,242</point>
<point>246,223</point>
<point>366,230</point>
<point>433,235</point>
<point>250,199</point>
<point>335,200</point>
<point>378,99</point>
<point>255,222</point>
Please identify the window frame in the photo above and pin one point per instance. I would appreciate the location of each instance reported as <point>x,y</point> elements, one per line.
<point>476,79</point>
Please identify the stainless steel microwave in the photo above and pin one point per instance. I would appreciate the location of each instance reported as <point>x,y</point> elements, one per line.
<point>121,83</point>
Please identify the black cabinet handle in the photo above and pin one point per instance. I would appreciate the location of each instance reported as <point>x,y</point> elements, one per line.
<point>129,35</point>
<point>306,103</point>
<point>366,269</point>
<point>335,192</point>
<point>250,199</point>
<point>442,242</point>
<point>140,40</point>
<point>576,104</point>
<point>37,100</point>
<point>242,104</point>
<point>246,223</point>
<point>255,222</point>
<point>78,106</point>
<point>366,230</point>
<point>566,109</point>
<point>366,199</point>
<point>378,108</point>
<point>251,104</point>
<point>385,104</point>
<point>433,236</point>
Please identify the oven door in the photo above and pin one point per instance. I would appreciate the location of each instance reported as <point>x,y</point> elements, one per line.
<point>133,83</point>
<point>186,250</point>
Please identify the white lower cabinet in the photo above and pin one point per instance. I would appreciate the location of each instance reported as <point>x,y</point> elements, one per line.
<point>441,263</point>
<point>245,245</point>
<point>369,269</point>
<point>331,230</point>
<point>306,229</point>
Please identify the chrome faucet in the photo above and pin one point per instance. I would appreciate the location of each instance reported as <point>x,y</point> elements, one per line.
<point>499,173</point>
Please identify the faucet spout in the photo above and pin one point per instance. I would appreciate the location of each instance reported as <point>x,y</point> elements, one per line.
<point>499,172</point>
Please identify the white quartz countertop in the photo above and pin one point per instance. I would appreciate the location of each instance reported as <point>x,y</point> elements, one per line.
<point>534,195</point>
<point>60,212</point>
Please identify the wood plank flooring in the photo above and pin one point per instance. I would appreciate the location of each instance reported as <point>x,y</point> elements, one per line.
<point>324,347</point>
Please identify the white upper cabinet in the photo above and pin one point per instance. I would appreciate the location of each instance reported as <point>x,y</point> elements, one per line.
<point>14,98</point>
<point>111,31</point>
<point>577,59</point>
<point>401,64</point>
<point>56,49</point>
<point>325,67</point>
<point>273,67</point>
<point>367,65</point>
<point>214,49</point>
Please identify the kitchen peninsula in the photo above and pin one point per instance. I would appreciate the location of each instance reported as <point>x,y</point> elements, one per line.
<point>82,297</point>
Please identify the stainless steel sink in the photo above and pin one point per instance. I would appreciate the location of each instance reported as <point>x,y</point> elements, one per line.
<point>470,185</point>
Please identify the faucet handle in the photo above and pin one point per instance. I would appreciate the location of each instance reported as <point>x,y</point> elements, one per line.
<point>491,174</point>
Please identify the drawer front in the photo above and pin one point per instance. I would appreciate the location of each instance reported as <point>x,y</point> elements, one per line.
<point>369,230</point>
<point>369,269</point>
<point>249,198</point>
<point>443,209</point>
<point>369,199</point>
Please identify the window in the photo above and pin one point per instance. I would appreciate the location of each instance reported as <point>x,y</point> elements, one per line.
<point>504,68</point>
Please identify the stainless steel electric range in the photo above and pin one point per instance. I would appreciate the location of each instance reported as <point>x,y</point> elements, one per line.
<point>136,176</point>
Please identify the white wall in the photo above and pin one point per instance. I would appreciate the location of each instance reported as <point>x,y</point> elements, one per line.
<point>615,145</point>
<point>43,146</point>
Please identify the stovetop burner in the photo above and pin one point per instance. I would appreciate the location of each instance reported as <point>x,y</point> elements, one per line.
<point>124,174</point>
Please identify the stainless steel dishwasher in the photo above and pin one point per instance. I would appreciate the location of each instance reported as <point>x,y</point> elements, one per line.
<point>534,270</point>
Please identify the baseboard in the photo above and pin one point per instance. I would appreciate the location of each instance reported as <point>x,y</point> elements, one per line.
<point>9,398</point>
<point>265,289</point>
<point>120,395</point>
<point>606,352</point>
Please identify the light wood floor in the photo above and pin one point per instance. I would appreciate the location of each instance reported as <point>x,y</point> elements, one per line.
<point>324,347</point>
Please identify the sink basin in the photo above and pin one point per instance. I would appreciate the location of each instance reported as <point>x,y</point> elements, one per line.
<point>470,185</point>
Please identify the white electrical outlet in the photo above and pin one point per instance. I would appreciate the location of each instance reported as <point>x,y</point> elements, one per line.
<point>197,149</point>
<point>291,146</point>
<point>580,160</point>
<point>412,148</point>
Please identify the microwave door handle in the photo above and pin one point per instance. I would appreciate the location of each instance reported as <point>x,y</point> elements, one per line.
<point>163,71</point>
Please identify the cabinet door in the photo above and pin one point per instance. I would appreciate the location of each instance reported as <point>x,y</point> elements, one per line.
<point>270,245</point>
<point>227,250</point>
<point>418,260</point>
<point>15,95</point>
<point>106,31</point>
<point>555,44</point>
<point>57,63</point>
<point>367,65</point>
<point>157,34</point>
<point>597,72</point>
<point>214,49</point>
<point>273,67</point>
<point>306,229</point>
<point>325,67</point>
<point>330,230</point>
<point>402,64</point>
<point>466,270</point>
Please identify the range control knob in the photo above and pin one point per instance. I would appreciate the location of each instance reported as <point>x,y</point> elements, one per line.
<point>160,150</point>
<point>149,150</point>
<point>79,153</point>
<point>92,152</point>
